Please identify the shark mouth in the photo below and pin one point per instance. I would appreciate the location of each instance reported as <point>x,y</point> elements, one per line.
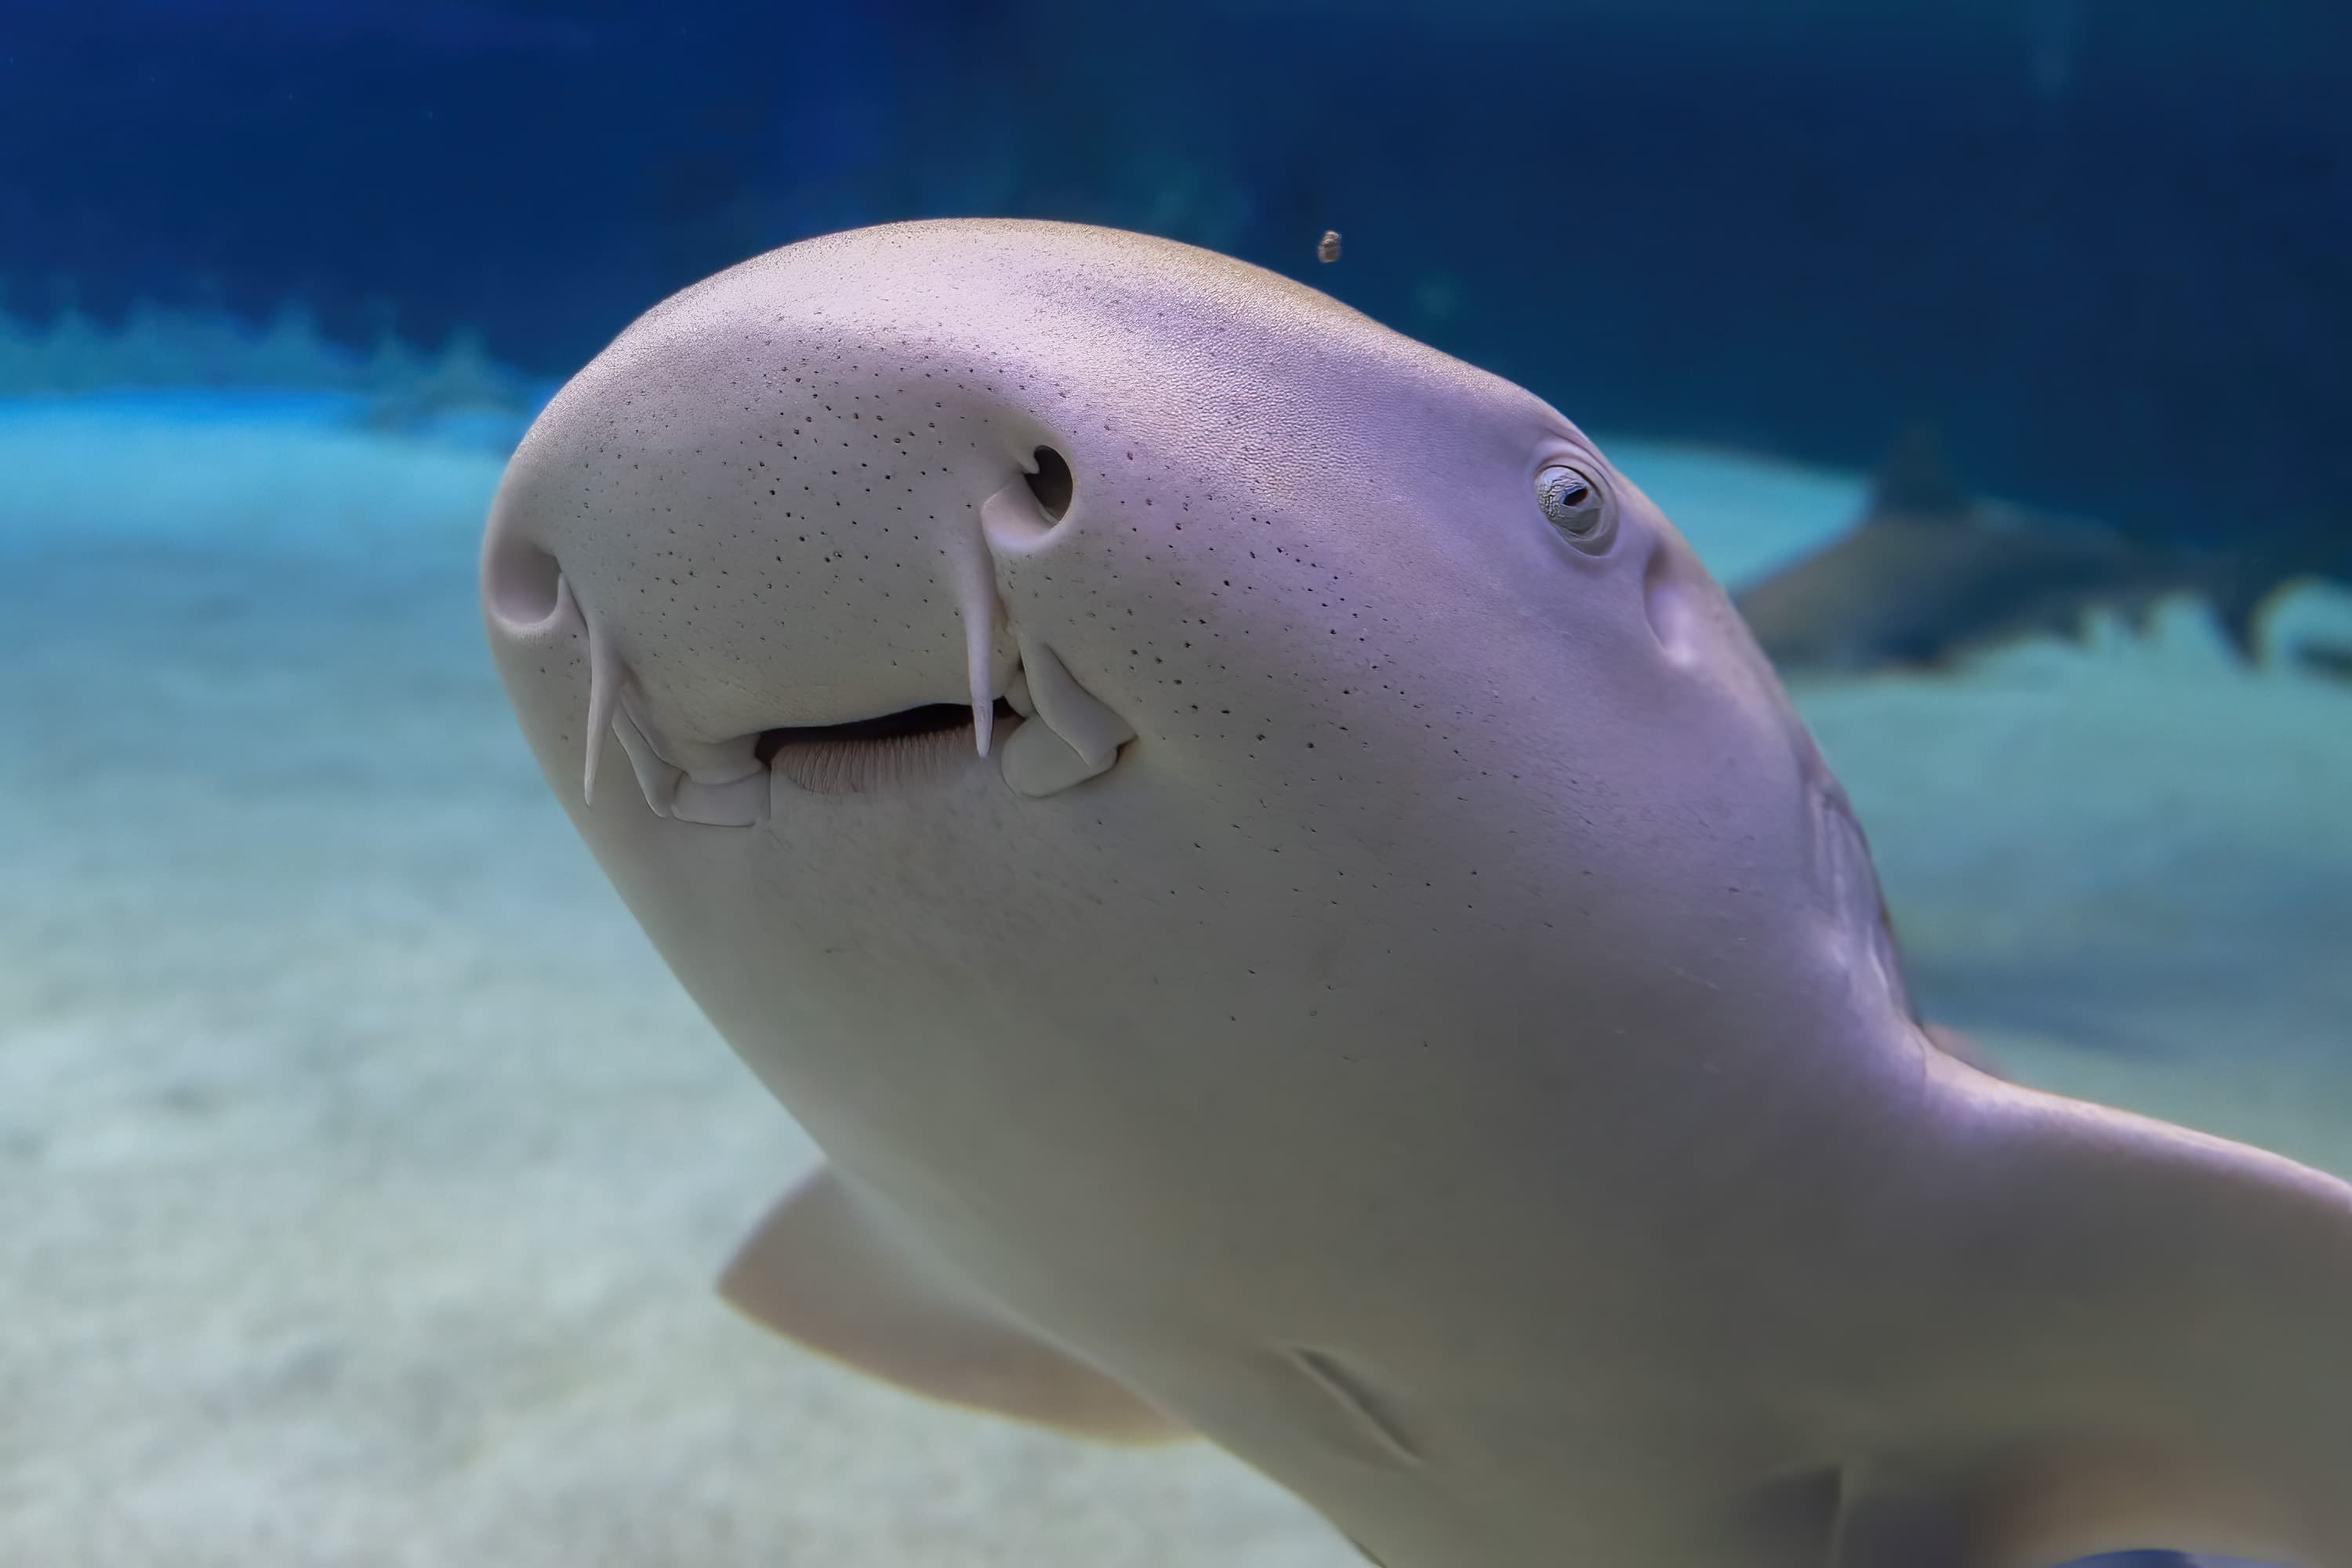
<point>1054,735</point>
<point>869,754</point>
<point>1057,735</point>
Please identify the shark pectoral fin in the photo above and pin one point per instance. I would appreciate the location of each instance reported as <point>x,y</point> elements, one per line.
<point>2139,1343</point>
<point>824,1269</point>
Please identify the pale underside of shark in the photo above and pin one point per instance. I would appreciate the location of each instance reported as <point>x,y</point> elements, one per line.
<point>1299,915</point>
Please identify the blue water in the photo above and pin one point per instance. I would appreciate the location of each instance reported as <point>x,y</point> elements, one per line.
<point>2073,233</point>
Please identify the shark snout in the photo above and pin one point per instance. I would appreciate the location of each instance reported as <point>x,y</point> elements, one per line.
<point>741,651</point>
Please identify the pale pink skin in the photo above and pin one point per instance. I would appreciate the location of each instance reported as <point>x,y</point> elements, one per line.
<point>1448,1056</point>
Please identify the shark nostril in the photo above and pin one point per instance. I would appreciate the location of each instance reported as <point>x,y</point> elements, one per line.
<point>1053,483</point>
<point>524,584</point>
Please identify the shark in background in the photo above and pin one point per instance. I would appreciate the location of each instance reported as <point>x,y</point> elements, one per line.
<point>1931,574</point>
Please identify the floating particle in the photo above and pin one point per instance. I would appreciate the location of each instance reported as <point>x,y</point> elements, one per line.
<point>1328,248</point>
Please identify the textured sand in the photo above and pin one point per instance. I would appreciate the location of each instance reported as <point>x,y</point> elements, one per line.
<point>363,1174</point>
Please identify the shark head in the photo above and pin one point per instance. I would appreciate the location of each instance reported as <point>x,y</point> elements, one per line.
<point>978,578</point>
<point>1263,852</point>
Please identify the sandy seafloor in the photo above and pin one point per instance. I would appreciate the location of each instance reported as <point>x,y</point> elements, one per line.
<point>363,1174</point>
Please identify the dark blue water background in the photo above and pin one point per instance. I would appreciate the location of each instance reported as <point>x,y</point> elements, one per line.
<point>2107,248</point>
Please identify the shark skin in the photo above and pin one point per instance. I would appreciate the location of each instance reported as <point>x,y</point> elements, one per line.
<point>1300,916</point>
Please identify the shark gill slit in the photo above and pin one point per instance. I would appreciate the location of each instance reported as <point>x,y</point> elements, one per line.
<point>1361,1408</point>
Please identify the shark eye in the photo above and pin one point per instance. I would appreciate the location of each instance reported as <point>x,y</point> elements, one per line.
<point>1577,506</point>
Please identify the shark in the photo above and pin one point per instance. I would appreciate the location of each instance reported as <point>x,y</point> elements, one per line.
<point>1930,575</point>
<point>1299,917</point>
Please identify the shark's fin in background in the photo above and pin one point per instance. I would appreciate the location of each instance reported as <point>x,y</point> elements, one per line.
<point>1917,483</point>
